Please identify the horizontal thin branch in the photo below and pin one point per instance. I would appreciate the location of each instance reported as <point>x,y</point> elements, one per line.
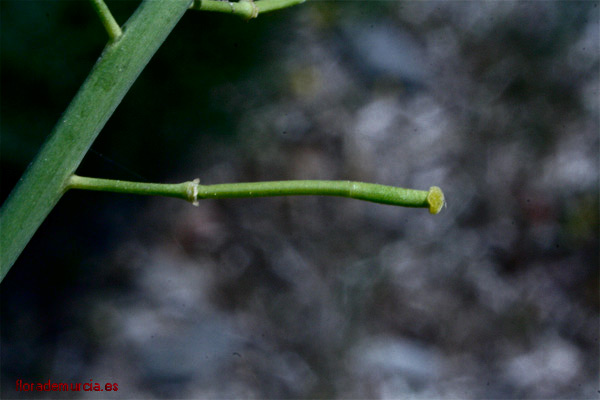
<point>246,9</point>
<point>185,190</point>
<point>193,191</point>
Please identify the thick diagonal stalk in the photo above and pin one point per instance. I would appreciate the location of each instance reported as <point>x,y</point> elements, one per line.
<point>45,180</point>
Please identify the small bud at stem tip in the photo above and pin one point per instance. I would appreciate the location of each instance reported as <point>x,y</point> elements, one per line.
<point>436,200</point>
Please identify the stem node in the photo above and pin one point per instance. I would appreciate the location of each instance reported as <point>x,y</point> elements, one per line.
<point>246,9</point>
<point>192,191</point>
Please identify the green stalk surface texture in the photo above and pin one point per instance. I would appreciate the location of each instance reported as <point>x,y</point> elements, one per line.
<point>185,190</point>
<point>193,191</point>
<point>355,190</point>
<point>45,180</point>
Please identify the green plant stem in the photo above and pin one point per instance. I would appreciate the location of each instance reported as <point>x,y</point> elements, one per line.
<point>46,178</point>
<point>193,191</point>
<point>110,24</point>
<point>246,9</point>
<point>272,5</point>
<point>185,190</point>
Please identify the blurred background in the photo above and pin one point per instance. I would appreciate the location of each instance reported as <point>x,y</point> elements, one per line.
<point>309,297</point>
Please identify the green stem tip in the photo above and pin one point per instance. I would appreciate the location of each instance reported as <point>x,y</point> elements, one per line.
<point>193,191</point>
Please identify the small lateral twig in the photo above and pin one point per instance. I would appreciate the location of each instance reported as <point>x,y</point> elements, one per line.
<point>433,199</point>
<point>246,9</point>
<point>110,24</point>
